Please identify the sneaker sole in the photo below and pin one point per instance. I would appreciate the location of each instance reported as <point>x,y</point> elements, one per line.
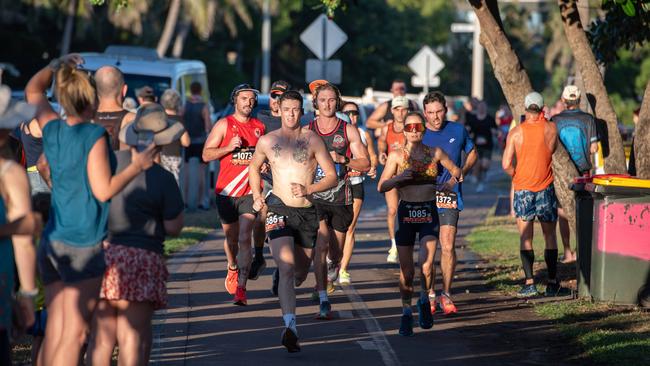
<point>290,341</point>
<point>240,303</point>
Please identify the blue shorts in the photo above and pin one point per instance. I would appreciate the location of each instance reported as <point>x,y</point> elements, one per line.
<point>542,204</point>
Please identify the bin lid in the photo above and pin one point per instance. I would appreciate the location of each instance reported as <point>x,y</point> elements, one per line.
<point>620,180</point>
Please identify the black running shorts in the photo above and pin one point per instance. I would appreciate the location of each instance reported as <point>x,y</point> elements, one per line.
<point>419,218</point>
<point>301,223</point>
<point>230,208</point>
<point>338,217</point>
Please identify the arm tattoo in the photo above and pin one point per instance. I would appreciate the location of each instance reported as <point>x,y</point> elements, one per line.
<point>276,148</point>
<point>300,152</point>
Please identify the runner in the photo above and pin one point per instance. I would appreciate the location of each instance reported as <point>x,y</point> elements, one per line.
<point>384,111</point>
<point>453,139</point>
<point>532,143</point>
<point>577,133</point>
<point>293,153</point>
<point>351,110</point>
<point>482,127</point>
<point>232,141</point>
<point>272,122</point>
<point>413,170</point>
<point>392,139</point>
<point>111,90</point>
<point>334,206</point>
<point>170,155</point>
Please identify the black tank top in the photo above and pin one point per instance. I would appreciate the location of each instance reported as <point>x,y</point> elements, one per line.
<point>193,118</point>
<point>336,141</point>
<point>173,149</point>
<point>33,146</point>
<point>111,121</point>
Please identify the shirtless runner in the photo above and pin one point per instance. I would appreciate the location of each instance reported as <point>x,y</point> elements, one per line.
<point>293,152</point>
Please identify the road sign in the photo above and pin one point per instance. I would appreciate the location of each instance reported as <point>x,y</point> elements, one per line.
<point>426,63</point>
<point>323,37</point>
<point>329,70</point>
<point>462,27</point>
<point>419,82</point>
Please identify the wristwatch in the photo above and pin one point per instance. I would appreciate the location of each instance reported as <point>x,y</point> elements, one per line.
<point>28,294</point>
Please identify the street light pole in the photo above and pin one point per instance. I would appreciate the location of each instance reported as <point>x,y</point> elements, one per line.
<point>266,46</point>
<point>477,62</point>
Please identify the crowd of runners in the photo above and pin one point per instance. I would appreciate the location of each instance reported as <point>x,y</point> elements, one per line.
<point>106,183</point>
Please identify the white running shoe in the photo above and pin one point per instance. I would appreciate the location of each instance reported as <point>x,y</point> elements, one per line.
<point>392,256</point>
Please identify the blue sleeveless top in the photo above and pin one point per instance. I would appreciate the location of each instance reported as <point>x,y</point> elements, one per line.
<point>6,272</point>
<point>77,218</point>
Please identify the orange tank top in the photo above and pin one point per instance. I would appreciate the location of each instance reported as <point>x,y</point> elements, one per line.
<point>394,140</point>
<point>533,171</point>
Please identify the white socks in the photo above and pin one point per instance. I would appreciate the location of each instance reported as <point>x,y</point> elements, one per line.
<point>290,322</point>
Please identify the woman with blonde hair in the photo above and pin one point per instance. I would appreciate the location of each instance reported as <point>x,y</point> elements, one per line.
<point>81,167</point>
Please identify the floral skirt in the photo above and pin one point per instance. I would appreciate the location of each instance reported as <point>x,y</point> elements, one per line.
<point>134,274</point>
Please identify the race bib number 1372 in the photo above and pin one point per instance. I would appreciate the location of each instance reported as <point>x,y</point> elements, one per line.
<point>447,200</point>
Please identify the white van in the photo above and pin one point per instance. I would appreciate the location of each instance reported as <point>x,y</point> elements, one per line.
<point>142,66</point>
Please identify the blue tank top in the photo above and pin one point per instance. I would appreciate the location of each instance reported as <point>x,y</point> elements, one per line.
<point>77,218</point>
<point>6,270</point>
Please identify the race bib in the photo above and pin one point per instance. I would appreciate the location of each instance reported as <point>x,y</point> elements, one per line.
<point>320,173</point>
<point>446,199</point>
<point>480,140</point>
<point>242,156</point>
<point>354,173</point>
<point>274,222</point>
<point>417,214</point>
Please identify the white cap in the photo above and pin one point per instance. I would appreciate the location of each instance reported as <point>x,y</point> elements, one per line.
<point>571,92</point>
<point>534,98</point>
<point>400,101</point>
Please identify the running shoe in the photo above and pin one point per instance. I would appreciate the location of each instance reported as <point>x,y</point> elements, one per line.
<point>325,311</point>
<point>240,297</point>
<point>232,279</point>
<point>290,340</point>
<point>406,325</point>
<point>433,303</point>
<point>447,305</point>
<point>392,256</point>
<point>333,271</point>
<point>425,318</point>
<point>257,267</point>
<point>527,291</point>
<point>344,277</point>
<point>276,282</point>
<point>554,289</point>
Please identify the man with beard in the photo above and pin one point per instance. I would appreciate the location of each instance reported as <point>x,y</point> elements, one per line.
<point>232,141</point>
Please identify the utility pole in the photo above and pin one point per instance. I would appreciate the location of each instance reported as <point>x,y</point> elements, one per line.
<point>266,46</point>
<point>477,54</point>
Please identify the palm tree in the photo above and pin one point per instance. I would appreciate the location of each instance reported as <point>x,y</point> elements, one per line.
<point>201,15</point>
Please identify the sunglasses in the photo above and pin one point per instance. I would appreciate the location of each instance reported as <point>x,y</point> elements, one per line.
<point>352,113</point>
<point>414,127</point>
<point>276,96</point>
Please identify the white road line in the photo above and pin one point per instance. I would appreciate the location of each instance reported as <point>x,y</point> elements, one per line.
<point>387,352</point>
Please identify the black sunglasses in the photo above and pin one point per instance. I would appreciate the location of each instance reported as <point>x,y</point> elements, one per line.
<point>276,96</point>
<point>352,113</point>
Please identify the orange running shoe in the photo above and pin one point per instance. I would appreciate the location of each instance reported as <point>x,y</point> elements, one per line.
<point>447,305</point>
<point>240,297</point>
<point>231,280</point>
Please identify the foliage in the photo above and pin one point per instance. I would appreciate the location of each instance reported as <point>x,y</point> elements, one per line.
<point>620,28</point>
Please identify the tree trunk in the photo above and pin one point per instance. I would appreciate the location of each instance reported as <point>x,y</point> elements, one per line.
<point>642,137</point>
<point>594,87</point>
<point>181,36</point>
<point>506,64</point>
<point>564,171</point>
<point>69,27</point>
<point>168,30</point>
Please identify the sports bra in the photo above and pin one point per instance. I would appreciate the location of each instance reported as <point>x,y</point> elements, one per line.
<point>425,170</point>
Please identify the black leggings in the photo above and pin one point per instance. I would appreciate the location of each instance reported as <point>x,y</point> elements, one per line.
<point>5,348</point>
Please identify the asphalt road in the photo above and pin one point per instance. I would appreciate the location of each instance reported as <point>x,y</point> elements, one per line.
<point>202,327</point>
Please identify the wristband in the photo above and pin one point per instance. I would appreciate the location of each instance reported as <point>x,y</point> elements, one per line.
<point>28,294</point>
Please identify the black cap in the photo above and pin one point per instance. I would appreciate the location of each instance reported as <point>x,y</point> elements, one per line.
<point>145,91</point>
<point>279,87</point>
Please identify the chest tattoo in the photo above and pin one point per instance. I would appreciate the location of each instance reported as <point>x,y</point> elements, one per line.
<point>276,148</point>
<point>300,152</point>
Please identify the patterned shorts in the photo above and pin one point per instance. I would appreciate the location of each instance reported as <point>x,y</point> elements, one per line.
<point>134,274</point>
<point>542,204</point>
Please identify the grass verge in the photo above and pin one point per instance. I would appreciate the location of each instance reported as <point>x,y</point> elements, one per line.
<point>601,333</point>
<point>197,225</point>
